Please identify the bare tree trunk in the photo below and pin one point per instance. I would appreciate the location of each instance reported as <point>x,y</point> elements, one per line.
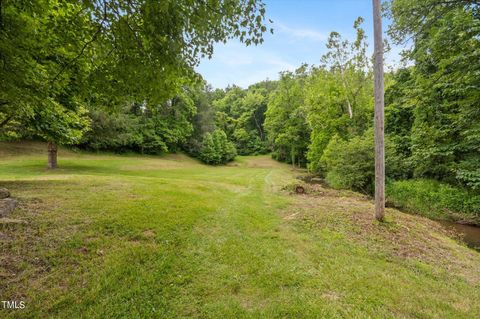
<point>1,15</point>
<point>293,156</point>
<point>379,115</point>
<point>52,155</point>
<point>259,128</point>
<point>345,86</point>
<point>350,111</point>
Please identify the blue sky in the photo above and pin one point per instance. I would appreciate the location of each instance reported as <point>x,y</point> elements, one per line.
<point>301,28</point>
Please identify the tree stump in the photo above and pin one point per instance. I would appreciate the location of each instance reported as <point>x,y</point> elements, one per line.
<point>299,189</point>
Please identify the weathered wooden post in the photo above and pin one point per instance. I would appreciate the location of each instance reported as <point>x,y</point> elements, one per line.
<point>379,114</point>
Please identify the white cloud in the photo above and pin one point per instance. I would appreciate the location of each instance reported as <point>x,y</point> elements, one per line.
<point>285,50</point>
<point>234,63</point>
<point>299,33</point>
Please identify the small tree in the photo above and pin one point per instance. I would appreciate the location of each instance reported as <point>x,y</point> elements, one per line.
<point>217,149</point>
<point>208,152</point>
<point>57,125</point>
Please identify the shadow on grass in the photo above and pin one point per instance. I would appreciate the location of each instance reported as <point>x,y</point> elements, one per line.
<point>26,185</point>
<point>35,168</point>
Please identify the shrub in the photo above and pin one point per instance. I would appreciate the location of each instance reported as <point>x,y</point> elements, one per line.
<point>216,148</point>
<point>351,164</point>
<point>318,144</point>
<point>468,173</point>
<point>435,200</point>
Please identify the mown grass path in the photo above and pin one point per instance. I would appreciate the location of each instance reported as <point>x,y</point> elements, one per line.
<point>147,237</point>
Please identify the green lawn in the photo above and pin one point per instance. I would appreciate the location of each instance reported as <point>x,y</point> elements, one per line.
<point>111,236</point>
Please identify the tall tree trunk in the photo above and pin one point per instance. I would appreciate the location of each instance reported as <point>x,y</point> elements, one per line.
<point>1,15</point>
<point>52,155</point>
<point>350,111</point>
<point>379,114</point>
<point>345,86</point>
<point>293,156</point>
<point>259,128</point>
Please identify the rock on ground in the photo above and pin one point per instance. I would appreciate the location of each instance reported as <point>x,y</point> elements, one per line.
<point>4,193</point>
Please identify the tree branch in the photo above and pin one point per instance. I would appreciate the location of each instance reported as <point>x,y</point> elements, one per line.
<point>94,37</point>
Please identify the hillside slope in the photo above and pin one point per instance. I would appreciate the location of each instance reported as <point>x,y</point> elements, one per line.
<point>110,236</point>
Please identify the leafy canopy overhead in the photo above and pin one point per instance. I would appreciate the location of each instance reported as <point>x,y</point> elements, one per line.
<point>152,45</point>
<point>61,56</point>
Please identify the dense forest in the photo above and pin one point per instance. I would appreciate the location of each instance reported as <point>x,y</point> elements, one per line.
<point>319,117</point>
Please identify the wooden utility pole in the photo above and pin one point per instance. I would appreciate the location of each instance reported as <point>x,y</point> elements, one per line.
<point>379,114</point>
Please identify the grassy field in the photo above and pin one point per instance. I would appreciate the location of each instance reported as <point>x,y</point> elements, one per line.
<point>111,236</point>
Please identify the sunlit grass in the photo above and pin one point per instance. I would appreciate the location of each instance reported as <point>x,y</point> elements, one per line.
<point>111,236</point>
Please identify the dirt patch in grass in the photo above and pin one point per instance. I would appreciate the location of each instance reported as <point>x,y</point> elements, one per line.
<point>149,233</point>
<point>401,236</point>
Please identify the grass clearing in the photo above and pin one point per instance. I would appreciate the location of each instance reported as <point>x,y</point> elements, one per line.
<point>109,236</point>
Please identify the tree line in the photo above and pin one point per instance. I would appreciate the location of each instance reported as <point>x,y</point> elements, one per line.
<point>212,125</point>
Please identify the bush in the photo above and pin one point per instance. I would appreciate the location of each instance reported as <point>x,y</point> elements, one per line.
<point>351,164</point>
<point>468,173</point>
<point>435,200</point>
<point>217,149</point>
<point>318,145</point>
